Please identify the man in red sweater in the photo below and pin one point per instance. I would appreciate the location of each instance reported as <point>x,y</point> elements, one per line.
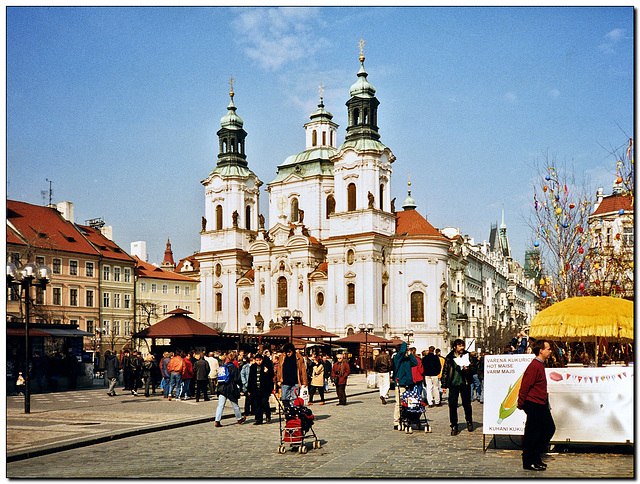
<point>534,400</point>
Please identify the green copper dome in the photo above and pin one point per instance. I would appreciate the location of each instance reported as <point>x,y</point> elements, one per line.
<point>231,120</point>
<point>362,87</point>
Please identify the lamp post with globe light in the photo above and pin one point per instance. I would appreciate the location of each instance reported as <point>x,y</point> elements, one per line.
<point>27,276</point>
<point>366,329</point>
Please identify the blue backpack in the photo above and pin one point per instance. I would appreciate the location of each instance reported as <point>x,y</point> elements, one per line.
<point>223,373</point>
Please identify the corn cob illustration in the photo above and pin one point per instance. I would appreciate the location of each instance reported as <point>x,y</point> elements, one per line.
<point>510,402</point>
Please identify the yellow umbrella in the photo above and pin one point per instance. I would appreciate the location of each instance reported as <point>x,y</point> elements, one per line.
<point>585,318</point>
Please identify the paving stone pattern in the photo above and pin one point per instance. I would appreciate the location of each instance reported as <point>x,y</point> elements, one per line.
<point>358,441</point>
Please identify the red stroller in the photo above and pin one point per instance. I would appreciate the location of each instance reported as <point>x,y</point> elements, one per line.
<point>298,422</point>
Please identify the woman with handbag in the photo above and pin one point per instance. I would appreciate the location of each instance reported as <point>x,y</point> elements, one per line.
<point>317,380</point>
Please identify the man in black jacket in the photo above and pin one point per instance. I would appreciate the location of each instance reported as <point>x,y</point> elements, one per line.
<point>112,369</point>
<point>457,376</point>
<point>431,367</point>
<point>260,386</point>
<point>201,370</point>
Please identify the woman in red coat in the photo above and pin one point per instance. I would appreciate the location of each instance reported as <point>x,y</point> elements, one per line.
<point>187,375</point>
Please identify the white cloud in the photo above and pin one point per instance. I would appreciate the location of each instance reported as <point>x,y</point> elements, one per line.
<point>554,93</point>
<point>611,39</point>
<point>275,36</point>
<point>511,97</point>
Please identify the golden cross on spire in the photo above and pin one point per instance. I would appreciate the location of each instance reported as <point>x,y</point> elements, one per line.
<point>321,90</point>
<point>231,84</point>
<point>361,44</point>
<point>409,179</point>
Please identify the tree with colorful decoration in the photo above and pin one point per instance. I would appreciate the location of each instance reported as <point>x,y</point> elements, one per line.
<point>559,219</point>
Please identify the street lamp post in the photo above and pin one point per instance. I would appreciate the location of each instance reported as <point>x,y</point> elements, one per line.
<point>408,333</point>
<point>285,314</point>
<point>366,329</point>
<point>28,275</point>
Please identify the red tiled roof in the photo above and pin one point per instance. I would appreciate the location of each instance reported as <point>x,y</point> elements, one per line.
<point>195,263</point>
<point>13,237</point>
<point>144,269</point>
<point>613,203</point>
<point>411,223</point>
<point>108,248</point>
<point>45,228</point>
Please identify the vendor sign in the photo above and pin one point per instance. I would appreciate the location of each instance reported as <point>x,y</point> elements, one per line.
<point>502,378</point>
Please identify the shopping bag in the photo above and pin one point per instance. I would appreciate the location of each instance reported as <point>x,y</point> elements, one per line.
<point>304,394</point>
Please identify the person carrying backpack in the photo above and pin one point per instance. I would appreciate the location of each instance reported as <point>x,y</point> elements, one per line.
<point>229,388</point>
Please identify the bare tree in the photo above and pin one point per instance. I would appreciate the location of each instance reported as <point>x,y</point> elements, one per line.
<point>147,311</point>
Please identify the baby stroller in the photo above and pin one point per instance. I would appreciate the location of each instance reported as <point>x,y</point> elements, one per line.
<point>412,407</point>
<point>298,422</point>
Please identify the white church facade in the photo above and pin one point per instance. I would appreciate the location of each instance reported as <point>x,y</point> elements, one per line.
<point>334,247</point>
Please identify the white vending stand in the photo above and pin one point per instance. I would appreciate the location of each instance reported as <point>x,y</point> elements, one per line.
<point>588,405</point>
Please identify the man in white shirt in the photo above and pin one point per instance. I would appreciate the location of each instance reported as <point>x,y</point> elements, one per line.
<point>213,372</point>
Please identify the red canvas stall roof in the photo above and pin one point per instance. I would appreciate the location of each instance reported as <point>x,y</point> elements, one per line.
<point>300,331</point>
<point>177,326</point>
<point>362,338</point>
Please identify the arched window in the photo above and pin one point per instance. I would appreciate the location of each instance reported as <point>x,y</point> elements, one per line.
<point>233,146</point>
<point>294,210</point>
<point>351,197</point>
<point>351,293</point>
<point>282,292</point>
<point>349,331</point>
<point>331,205</point>
<point>224,145</point>
<point>381,194</point>
<point>365,118</point>
<point>384,294</point>
<point>417,306</point>
<point>218,302</point>
<point>331,137</point>
<point>356,115</point>
<point>218,217</point>
<point>324,138</point>
<point>241,146</point>
<point>247,217</point>
<point>314,138</point>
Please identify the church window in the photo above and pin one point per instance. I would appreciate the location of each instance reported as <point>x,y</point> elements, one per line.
<point>320,299</point>
<point>384,294</point>
<point>349,331</point>
<point>331,138</point>
<point>351,197</point>
<point>233,146</point>
<point>384,256</point>
<point>246,303</point>
<point>417,307</point>
<point>356,115</point>
<point>331,205</point>
<point>218,217</point>
<point>224,145</point>
<point>365,117</point>
<point>324,138</point>
<point>381,196</point>
<point>218,302</point>
<point>351,293</point>
<point>350,256</point>
<point>294,210</point>
<point>282,292</point>
<point>218,270</point>
<point>247,216</point>
<point>314,138</point>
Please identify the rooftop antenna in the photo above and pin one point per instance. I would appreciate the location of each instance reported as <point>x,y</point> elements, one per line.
<point>50,190</point>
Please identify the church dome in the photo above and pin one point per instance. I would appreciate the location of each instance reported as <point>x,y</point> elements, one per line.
<point>231,120</point>
<point>362,87</point>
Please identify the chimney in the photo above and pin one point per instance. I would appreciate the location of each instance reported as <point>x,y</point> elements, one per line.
<point>107,231</point>
<point>66,209</point>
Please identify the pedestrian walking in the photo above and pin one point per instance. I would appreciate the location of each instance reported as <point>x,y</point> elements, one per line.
<point>432,368</point>
<point>126,370</point>
<point>229,389</point>
<point>166,358</point>
<point>327,371</point>
<point>175,368</point>
<point>149,367</point>
<point>317,380</point>
<point>534,400</point>
<point>291,373</point>
<point>187,377</point>
<point>441,358</point>
<point>339,372</point>
<point>259,387</point>
<point>201,371</point>
<point>112,369</point>
<point>382,366</point>
<point>457,377</point>
<point>213,372</point>
<point>135,370</point>
<point>403,362</point>
<point>244,378</point>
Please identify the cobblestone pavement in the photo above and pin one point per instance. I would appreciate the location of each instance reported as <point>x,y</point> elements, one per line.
<point>358,441</point>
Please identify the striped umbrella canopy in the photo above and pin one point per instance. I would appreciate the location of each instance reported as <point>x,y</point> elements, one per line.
<point>585,318</point>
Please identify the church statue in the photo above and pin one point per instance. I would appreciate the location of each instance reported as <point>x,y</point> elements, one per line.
<point>204,224</point>
<point>371,199</point>
<point>300,215</point>
<point>261,221</point>
<point>393,205</point>
<point>259,321</point>
<point>235,216</point>
<point>305,231</point>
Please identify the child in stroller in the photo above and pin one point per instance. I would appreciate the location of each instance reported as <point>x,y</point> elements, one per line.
<point>298,421</point>
<point>412,407</point>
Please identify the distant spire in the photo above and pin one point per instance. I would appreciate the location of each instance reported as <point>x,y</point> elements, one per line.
<point>168,262</point>
<point>409,203</point>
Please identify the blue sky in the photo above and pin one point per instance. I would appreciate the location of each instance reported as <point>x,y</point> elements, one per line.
<point>119,107</point>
